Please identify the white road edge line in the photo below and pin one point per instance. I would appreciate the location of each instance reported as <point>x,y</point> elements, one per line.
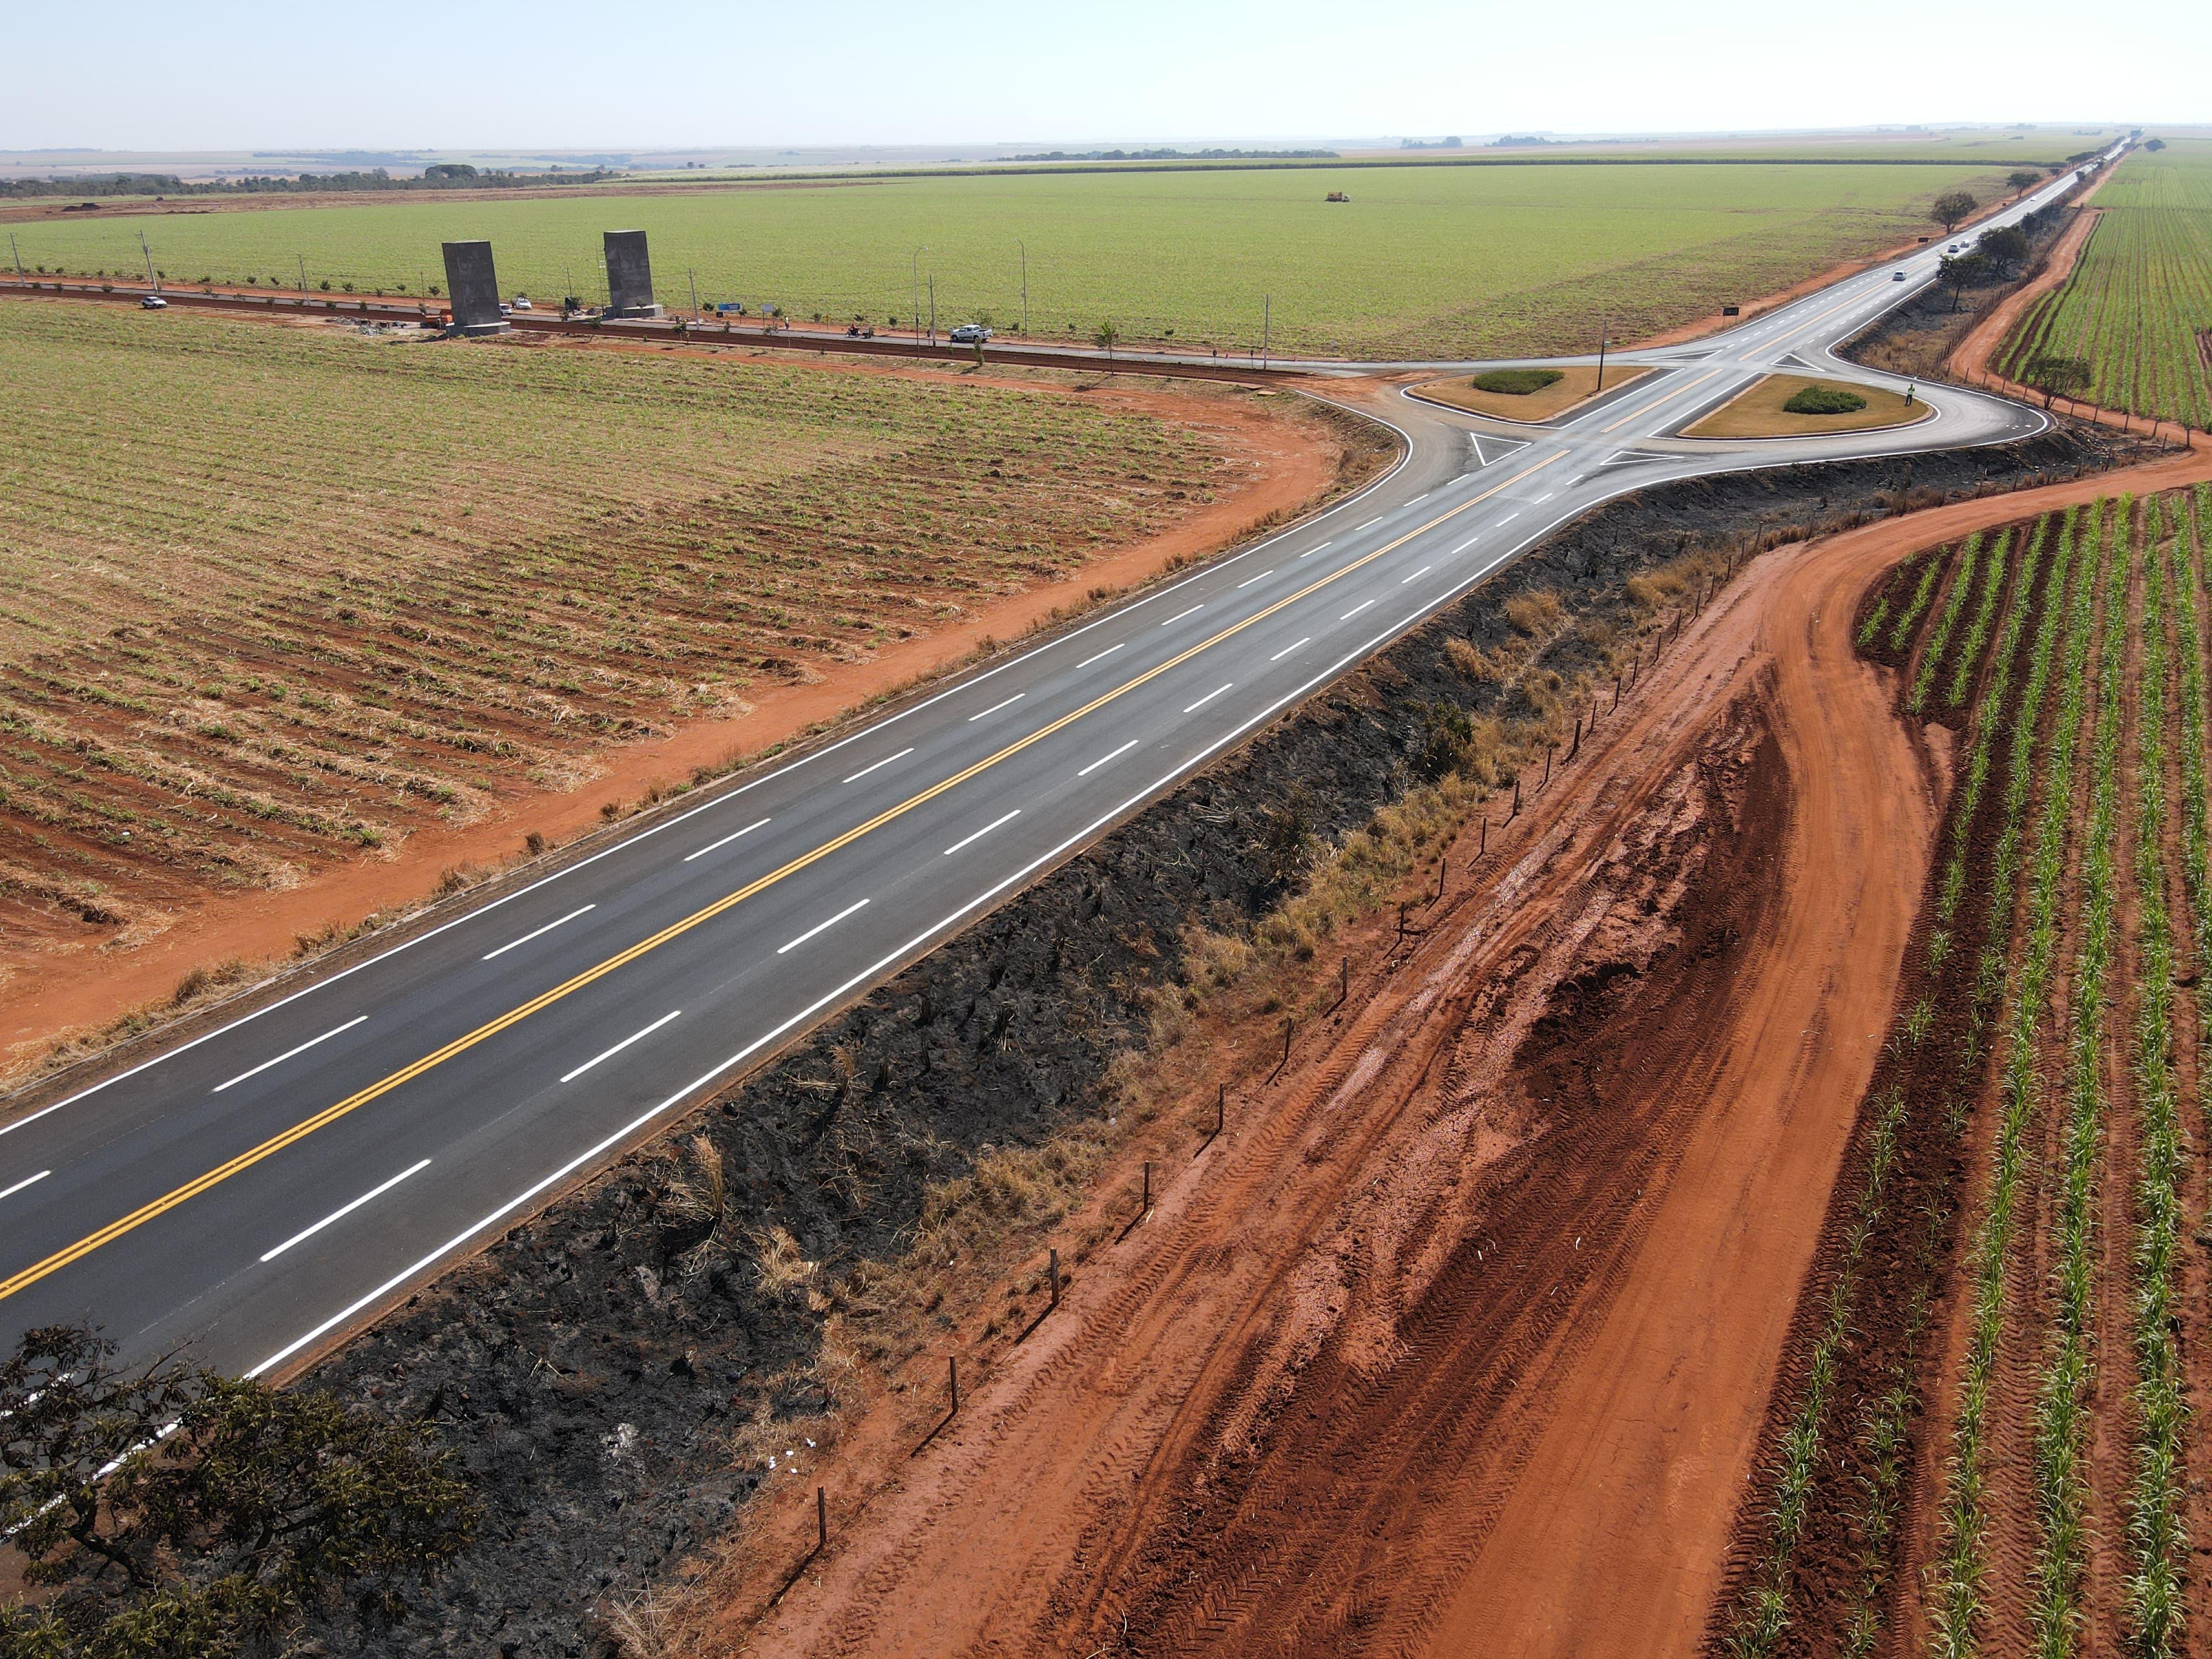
<point>716,846</point>
<point>1355,611</point>
<point>876,765</point>
<point>1103,759</point>
<point>288,1053</point>
<point>1087,661</point>
<point>1416,575</point>
<point>1249,580</point>
<point>535,932</point>
<point>31,1181</point>
<point>984,831</point>
<point>342,1212</point>
<point>1208,698</point>
<point>1287,649</point>
<point>820,926</point>
<point>634,1036</point>
<point>1180,615</point>
<point>996,706</point>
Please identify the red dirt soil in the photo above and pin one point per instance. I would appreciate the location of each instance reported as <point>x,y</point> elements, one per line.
<point>51,996</point>
<point>1465,1344</point>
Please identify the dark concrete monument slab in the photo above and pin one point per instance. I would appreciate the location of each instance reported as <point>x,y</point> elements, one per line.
<point>629,276</point>
<point>474,286</point>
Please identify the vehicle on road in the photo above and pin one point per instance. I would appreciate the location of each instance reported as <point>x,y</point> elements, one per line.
<point>153,302</point>
<point>1898,277</point>
<point>970,334</point>
<point>522,302</point>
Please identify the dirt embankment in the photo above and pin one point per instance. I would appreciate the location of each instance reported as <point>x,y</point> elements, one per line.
<point>618,1390</point>
<point>56,984</point>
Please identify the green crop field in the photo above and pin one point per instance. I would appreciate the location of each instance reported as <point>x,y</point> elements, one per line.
<point>1423,260</point>
<point>270,595</point>
<point>2138,308</point>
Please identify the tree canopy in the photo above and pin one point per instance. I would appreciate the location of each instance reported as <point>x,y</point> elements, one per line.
<point>175,1513</point>
<point>1948,209</point>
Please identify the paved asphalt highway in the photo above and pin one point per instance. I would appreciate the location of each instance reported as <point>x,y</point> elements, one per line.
<point>261,1187</point>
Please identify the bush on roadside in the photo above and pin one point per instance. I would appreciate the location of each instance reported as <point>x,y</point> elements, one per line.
<point>1823,400</point>
<point>1517,382</point>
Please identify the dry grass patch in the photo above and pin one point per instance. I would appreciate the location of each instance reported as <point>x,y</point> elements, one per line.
<point>1576,384</point>
<point>1757,412</point>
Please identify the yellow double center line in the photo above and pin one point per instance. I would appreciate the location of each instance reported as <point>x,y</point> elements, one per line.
<point>330,1115</point>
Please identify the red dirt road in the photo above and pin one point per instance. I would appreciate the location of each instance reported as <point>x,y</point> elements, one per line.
<point>1465,1343</point>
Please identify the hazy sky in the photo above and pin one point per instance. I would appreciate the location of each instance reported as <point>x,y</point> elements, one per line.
<point>564,75</point>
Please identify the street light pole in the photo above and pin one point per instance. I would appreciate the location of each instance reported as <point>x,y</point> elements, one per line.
<point>151,278</point>
<point>17,254</point>
<point>932,308</point>
<point>1024,247</point>
<point>302,258</point>
<point>1603,327</point>
<point>914,270</point>
<point>1266,321</point>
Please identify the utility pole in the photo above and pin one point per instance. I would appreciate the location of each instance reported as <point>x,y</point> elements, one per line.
<point>302,258</point>
<point>15,253</point>
<point>914,270</point>
<point>1024,247</point>
<point>1602,328</point>
<point>697,316</point>
<point>932,308</point>
<point>1267,319</point>
<point>148,252</point>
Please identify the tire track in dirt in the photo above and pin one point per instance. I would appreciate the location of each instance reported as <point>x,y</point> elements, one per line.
<point>1561,1437</point>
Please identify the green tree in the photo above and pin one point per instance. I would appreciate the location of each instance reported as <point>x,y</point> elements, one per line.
<point>1960,271</point>
<point>2006,248</point>
<point>1948,209</point>
<point>2058,377</point>
<point>174,1513</point>
<point>2021,177</point>
<point>1105,337</point>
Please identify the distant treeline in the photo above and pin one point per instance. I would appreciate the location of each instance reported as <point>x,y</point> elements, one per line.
<point>1179,155</point>
<point>443,175</point>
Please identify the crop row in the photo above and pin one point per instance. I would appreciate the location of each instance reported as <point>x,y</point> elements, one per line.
<point>1962,1556</point>
<point>1901,630</point>
<point>2156,1535</point>
<point>2061,1488</point>
<point>1766,1616</point>
<point>344,587</point>
<point>2139,302</point>
<point>1952,884</point>
<point>2187,563</point>
<point>1955,602</point>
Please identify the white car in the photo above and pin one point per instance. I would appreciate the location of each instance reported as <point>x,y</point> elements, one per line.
<point>522,302</point>
<point>969,334</point>
<point>153,302</point>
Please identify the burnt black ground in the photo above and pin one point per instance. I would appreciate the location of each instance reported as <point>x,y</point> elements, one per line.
<point>590,1388</point>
